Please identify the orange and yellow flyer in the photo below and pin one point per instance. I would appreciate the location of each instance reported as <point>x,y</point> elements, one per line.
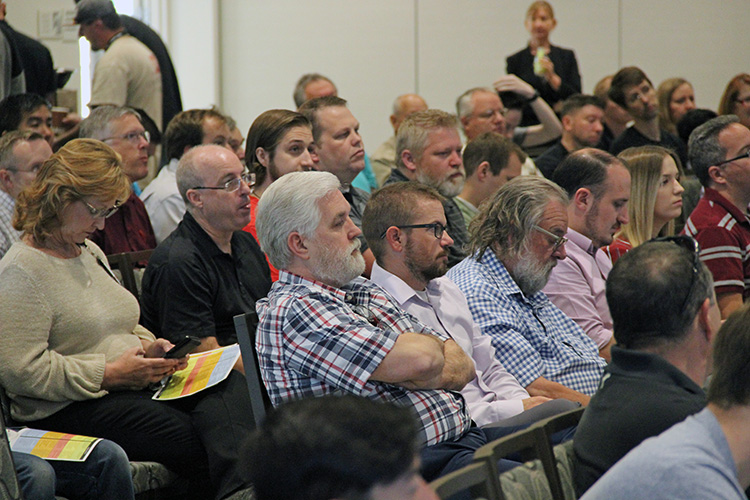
<point>204,370</point>
<point>52,445</point>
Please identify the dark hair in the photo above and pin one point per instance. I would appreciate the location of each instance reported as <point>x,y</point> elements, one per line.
<point>704,147</point>
<point>493,148</point>
<point>14,107</point>
<point>310,110</point>
<point>692,120</point>
<point>392,205</point>
<point>646,294</point>
<point>731,371</point>
<point>266,132</point>
<point>578,101</point>
<point>584,168</point>
<point>329,447</point>
<point>627,77</point>
<point>186,130</point>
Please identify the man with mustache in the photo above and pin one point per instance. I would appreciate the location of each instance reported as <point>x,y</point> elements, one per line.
<point>598,185</point>
<point>208,270</point>
<point>324,329</point>
<point>339,150</point>
<point>129,229</point>
<point>519,238</point>
<point>428,150</point>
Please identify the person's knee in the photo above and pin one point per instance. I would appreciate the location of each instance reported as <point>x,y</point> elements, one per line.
<point>111,456</point>
<point>36,476</point>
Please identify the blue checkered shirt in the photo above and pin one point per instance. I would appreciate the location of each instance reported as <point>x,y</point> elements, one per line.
<point>314,339</point>
<point>531,336</point>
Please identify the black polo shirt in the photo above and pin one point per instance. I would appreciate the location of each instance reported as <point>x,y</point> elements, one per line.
<point>640,396</point>
<point>191,287</point>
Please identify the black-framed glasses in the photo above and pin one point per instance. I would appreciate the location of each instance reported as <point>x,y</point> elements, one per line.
<point>692,246</point>
<point>101,212</point>
<point>746,154</point>
<point>558,240</point>
<point>437,228</point>
<point>233,185</point>
<point>134,137</point>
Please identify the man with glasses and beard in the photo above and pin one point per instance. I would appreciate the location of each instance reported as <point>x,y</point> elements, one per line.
<point>518,239</point>
<point>323,329</point>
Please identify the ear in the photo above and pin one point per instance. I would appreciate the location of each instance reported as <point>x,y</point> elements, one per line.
<point>263,157</point>
<point>194,197</point>
<point>704,320</point>
<point>5,180</point>
<point>395,238</point>
<point>394,120</point>
<point>716,174</point>
<point>566,122</point>
<point>408,160</point>
<point>298,246</point>
<point>583,199</point>
<point>483,170</point>
<point>185,150</point>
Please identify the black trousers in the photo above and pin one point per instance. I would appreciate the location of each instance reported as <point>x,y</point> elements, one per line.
<point>195,437</point>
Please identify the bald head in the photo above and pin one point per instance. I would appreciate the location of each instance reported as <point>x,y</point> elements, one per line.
<point>199,166</point>
<point>403,106</point>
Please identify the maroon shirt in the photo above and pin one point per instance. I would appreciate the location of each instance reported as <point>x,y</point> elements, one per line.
<point>128,230</point>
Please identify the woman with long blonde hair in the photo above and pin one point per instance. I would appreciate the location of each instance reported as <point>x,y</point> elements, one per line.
<point>655,197</point>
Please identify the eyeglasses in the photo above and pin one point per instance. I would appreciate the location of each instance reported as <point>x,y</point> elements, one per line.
<point>234,184</point>
<point>558,240</point>
<point>645,90</point>
<point>437,228</point>
<point>486,115</point>
<point>692,246</point>
<point>746,154</point>
<point>101,212</point>
<point>134,137</point>
<point>33,170</point>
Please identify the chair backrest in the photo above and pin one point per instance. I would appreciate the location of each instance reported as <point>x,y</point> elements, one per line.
<point>10,489</point>
<point>126,263</point>
<point>547,428</point>
<point>564,456</point>
<point>244,325</point>
<point>475,478</point>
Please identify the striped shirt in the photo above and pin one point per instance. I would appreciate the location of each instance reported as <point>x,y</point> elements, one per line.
<point>723,232</point>
<point>314,339</point>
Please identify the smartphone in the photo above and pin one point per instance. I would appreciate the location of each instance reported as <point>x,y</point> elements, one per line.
<point>183,347</point>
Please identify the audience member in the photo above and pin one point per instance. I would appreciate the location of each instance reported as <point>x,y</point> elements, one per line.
<point>129,229</point>
<point>312,85</point>
<point>516,240</point>
<point>675,97</point>
<point>582,128</point>
<point>235,139</point>
<point>411,264</point>
<point>128,73</point>
<point>719,154</point>
<point>480,110</point>
<point>27,112</point>
<point>598,185</point>
<point>655,198</point>
<point>665,315</point>
<point>72,356</point>
<point>321,314</point>
<point>330,447</point>
<point>21,156</point>
<point>12,77</point>
<point>512,88</point>
<point>279,141</point>
<point>615,119</point>
<point>339,150</point>
<point>208,270</point>
<point>692,120</point>
<point>188,129</point>
<point>707,455</point>
<point>384,158</point>
<point>428,150</point>
<point>736,99</point>
<point>490,160</point>
<point>551,70</point>
<point>632,90</point>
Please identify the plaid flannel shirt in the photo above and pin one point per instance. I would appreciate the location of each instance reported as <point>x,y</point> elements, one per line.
<point>314,339</point>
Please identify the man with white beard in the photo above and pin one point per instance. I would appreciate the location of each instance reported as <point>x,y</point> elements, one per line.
<point>519,239</point>
<point>323,329</point>
<point>428,150</point>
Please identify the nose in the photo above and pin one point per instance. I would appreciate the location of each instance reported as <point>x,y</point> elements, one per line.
<point>244,188</point>
<point>623,217</point>
<point>306,160</point>
<point>356,138</point>
<point>455,159</point>
<point>354,231</point>
<point>446,240</point>
<point>560,252</point>
<point>690,104</point>
<point>598,127</point>
<point>678,189</point>
<point>46,132</point>
<point>99,222</point>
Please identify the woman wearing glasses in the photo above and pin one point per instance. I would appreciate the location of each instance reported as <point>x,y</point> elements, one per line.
<point>73,357</point>
<point>736,99</point>
<point>655,197</point>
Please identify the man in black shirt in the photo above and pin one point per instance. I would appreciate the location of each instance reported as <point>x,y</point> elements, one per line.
<point>208,270</point>
<point>665,317</point>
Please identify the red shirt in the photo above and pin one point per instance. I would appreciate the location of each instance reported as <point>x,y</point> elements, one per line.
<point>250,228</point>
<point>127,230</point>
<point>617,249</point>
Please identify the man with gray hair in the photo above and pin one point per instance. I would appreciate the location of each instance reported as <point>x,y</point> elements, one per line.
<point>518,239</point>
<point>428,150</point>
<point>129,229</point>
<point>312,85</point>
<point>665,318</point>
<point>208,270</point>
<point>720,157</point>
<point>384,158</point>
<point>21,156</point>
<point>323,329</point>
